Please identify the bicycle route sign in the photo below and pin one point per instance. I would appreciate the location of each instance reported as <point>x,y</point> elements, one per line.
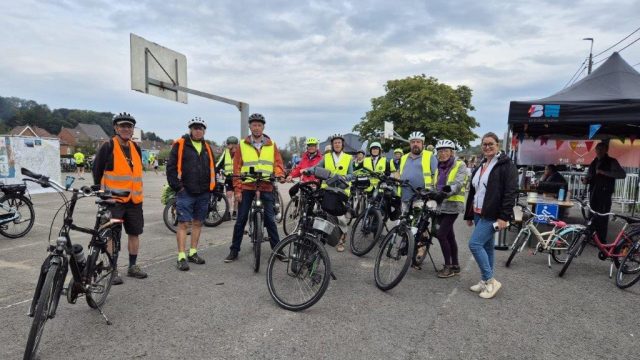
<point>543,209</point>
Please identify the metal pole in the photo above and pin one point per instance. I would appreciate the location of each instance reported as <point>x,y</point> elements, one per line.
<point>244,120</point>
<point>590,55</point>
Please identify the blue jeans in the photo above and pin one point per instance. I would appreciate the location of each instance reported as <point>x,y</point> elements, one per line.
<point>243,216</point>
<point>481,245</point>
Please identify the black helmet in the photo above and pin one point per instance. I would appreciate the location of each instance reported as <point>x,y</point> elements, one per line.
<point>232,140</point>
<point>256,117</point>
<point>124,118</point>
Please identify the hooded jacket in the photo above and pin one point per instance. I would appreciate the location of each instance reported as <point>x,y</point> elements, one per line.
<point>501,192</point>
<point>195,168</point>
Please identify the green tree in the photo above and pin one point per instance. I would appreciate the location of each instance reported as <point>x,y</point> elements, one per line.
<point>297,144</point>
<point>421,103</point>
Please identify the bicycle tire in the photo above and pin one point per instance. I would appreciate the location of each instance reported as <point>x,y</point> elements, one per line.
<point>278,198</point>
<point>631,259</point>
<point>310,261</point>
<point>574,249</point>
<point>291,216</point>
<point>170,216</point>
<point>361,248</point>
<point>620,249</point>
<point>559,252</point>
<point>100,275</point>
<point>215,217</point>
<point>41,314</point>
<point>257,237</point>
<point>406,248</point>
<point>518,243</point>
<point>32,215</point>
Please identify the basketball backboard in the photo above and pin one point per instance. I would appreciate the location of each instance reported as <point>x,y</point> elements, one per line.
<point>388,130</point>
<point>150,61</point>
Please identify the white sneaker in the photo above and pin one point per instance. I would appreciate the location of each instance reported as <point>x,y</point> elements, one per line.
<point>478,287</point>
<point>490,289</point>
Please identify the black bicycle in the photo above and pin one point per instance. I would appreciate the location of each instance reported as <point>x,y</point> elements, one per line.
<point>302,278</point>
<point>399,249</point>
<point>16,211</point>
<point>368,226</point>
<point>91,275</point>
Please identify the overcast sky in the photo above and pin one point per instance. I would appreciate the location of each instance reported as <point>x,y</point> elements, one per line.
<point>311,67</point>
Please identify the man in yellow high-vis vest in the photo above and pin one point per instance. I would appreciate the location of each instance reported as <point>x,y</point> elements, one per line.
<point>418,166</point>
<point>225,165</point>
<point>259,152</point>
<point>377,163</point>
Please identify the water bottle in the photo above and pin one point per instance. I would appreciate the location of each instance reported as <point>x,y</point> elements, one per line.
<point>78,254</point>
<point>561,194</point>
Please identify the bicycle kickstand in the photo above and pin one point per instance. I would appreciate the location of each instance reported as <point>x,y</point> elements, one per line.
<point>432,262</point>
<point>103,314</point>
<point>333,276</point>
<point>611,270</point>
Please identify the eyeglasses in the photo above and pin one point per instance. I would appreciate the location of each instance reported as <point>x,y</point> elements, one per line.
<point>197,127</point>
<point>125,126</point>
<point>489,145</point>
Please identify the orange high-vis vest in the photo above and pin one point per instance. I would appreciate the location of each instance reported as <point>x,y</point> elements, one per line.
<point>123,177</point>
<point>212,170</point>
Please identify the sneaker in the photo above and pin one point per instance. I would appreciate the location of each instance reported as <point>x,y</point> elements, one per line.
<point>455,269</point>
<point>136,272</point>
<point>234,215</point>
<point>490,289</point>
<point>340,246</point>
<point>446,272</point>
<point>233,255</point>
<point>196,259</point>
<point>226,217</point>
<point>421,253</point>
<point>280,255</point>
<point>183,265</point>
<point>117,280</point>
<point>479,287</point>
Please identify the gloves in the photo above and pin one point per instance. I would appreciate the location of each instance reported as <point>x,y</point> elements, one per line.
<point>447,189</point>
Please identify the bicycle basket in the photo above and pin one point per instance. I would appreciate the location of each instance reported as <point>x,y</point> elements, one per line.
<point>334,202</point>
<point>167,194</point>
<point>331,230</point>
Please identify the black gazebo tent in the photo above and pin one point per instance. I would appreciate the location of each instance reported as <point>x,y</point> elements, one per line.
<point>609,96</point>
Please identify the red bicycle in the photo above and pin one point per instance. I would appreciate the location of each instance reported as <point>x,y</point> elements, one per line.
<point>615,251</point>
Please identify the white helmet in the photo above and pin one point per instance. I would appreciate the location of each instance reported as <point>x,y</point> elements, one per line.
<point>196,121</point>
<point>445,144</point>
<point>416,135</point>
<point>375,144</point>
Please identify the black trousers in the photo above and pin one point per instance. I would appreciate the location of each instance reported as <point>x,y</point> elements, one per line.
<point>601,202</point>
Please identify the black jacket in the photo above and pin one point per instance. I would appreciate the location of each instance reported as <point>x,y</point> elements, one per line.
<point>502,189</point>
<point>104,160</point>
<point>604,183</point>
<point>553,184</point>
<point>195,168</point>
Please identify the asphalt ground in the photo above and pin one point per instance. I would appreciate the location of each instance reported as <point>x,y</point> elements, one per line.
<point>224,311</point>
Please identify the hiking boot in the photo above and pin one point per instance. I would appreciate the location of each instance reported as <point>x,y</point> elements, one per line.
<point>183,265</point>
<point>117,280</point>
<point>421,253</point>
<point>491,288</point>
<point>478,288</point>
<point>196,259</point>
<point>340,246</point>
<point>233,255</point>
<point>455,269</point>
<point>280,255</point>
<point>234,215</point>
<point>135,272</point>
<point>446,272</point>
<point>226,217</point>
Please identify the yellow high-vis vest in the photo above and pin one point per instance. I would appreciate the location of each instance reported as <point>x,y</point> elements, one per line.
<point>263,163</point>
<point>452,177</point>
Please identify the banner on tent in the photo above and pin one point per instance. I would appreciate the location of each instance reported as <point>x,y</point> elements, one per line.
<point>574,152</point>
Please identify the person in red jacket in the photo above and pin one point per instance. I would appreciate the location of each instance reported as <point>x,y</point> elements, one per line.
<point>309,159</point>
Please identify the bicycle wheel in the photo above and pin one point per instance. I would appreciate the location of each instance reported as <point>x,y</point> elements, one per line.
<point>100,272</point>
<point>256,239</point>
<point>42,311</point>
<point>21,225</point>
<point>574,249</point>
<point>561,242</point>
<point>299,283</point>
<point>218,206</point>
<point>278,200</point>
<point>365,232</point>
<point>170,216</point>
<point>621,250</point>
<point>629,269</point>
<point>518,244</point>
<point>394,257</point>
<point>291,216</point>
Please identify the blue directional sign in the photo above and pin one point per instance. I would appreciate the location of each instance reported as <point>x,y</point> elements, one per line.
<point>547,210</point>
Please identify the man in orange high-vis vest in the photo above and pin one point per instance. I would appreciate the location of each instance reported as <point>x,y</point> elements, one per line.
<point>118,166</point>
<point>191,173</point>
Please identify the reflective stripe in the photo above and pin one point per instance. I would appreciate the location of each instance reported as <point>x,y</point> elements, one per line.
<point>250,163</point>
<point>451,177</point>
<point>124,177</point>
<point>118,178</point>
<point>212,177</point>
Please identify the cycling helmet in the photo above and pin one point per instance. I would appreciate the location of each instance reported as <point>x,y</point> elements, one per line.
<point>398,150</point>
<point>445,144</point>
<point>312,141</point>
<point>375,144</point>
<point>416,135</point>
<point>124,118</point>
<point>196,121</point>
<point>256,117</point>
<point>232,140</point>
<point>361,152</point>
<point>336,136</point>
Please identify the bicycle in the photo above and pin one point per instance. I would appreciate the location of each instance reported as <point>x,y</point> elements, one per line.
<point>278,204</point>
<point>359,198</point>
<point>91,276</point>
<point>630,264</point>
<point>368,226</point>
<point>16,211</point>
<point>615,251</point>
<point>307,271</point>
<point>399,248</point>
<point>218,206</point>
<point>555,242</point>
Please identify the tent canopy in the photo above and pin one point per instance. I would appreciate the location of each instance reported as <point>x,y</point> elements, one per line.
<point>609,96</point>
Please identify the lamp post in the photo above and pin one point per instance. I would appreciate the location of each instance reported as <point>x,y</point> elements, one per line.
<point>590,55</point>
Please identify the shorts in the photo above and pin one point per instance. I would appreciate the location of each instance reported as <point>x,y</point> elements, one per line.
<point>228,184</point>
<point>80,165</point>
<point>192,206</point>
<point>131,214</point>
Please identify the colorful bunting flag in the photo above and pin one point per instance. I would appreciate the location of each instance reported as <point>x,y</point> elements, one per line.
<point>559,144</point>
<point>573,145</point>
<point>632,138</point>
<point>593,129</point>
<point>543,140</point>
<point>589,144</point>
